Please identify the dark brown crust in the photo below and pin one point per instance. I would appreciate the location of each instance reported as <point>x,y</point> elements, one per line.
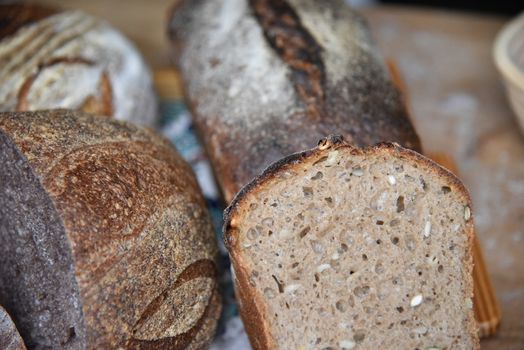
<point>15,16</point>
<point>256,325</point>
<point>361,104</point>
<point>297,48</point>
<point>126,200</point>
<point>250,307</point>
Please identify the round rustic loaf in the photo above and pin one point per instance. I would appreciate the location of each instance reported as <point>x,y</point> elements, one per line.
<point>68,59</point>
<point>9,337</point>
<point>105,241</point>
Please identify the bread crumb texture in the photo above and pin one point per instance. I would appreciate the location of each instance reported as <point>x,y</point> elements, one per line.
<point>351,249</point>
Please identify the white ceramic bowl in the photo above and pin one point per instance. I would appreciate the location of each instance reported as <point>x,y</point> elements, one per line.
<point>509,58</point>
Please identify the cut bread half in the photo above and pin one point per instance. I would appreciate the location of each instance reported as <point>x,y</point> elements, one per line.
<point>347,248</point>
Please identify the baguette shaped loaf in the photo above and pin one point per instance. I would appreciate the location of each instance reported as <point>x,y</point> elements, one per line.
<point>68,59</point>
<point>105,240</point>
<point>9,337</point>
<point>266,78</point>
<point>354,248</point>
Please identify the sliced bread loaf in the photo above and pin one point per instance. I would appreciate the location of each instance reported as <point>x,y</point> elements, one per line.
<point>341,248</point>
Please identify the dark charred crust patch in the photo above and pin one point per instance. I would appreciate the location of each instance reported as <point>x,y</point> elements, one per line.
<point>330,140</point>
<point>287,36</point>
<point>13,17</point>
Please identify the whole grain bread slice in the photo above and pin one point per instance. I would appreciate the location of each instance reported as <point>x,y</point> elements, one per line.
<point>348,248</point>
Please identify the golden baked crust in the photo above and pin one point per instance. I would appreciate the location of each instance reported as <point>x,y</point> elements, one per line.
<point>135,223</point>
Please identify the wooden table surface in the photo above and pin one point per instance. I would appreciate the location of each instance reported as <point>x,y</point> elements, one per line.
<point>459,108</point>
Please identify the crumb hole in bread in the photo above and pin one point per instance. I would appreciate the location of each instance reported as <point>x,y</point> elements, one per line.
<point>317,176</point>
<point>357,171</point>
<point>308,191</point>
<point>379,268</point>
<point>364,257</point>
<point>304,231</point>
<point>400,309</point>
<point>361,291</point>
<point>445,189</point>
<point>341,306</point>
<point>252,234</point>
<point>400,204</point>
<point>440,268</point>
<point>252,279</point>
<point>268,222</point>
<point>359,336</point>
<point>394,240</point>
<point>423,183</point>
<point>279,284</point>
